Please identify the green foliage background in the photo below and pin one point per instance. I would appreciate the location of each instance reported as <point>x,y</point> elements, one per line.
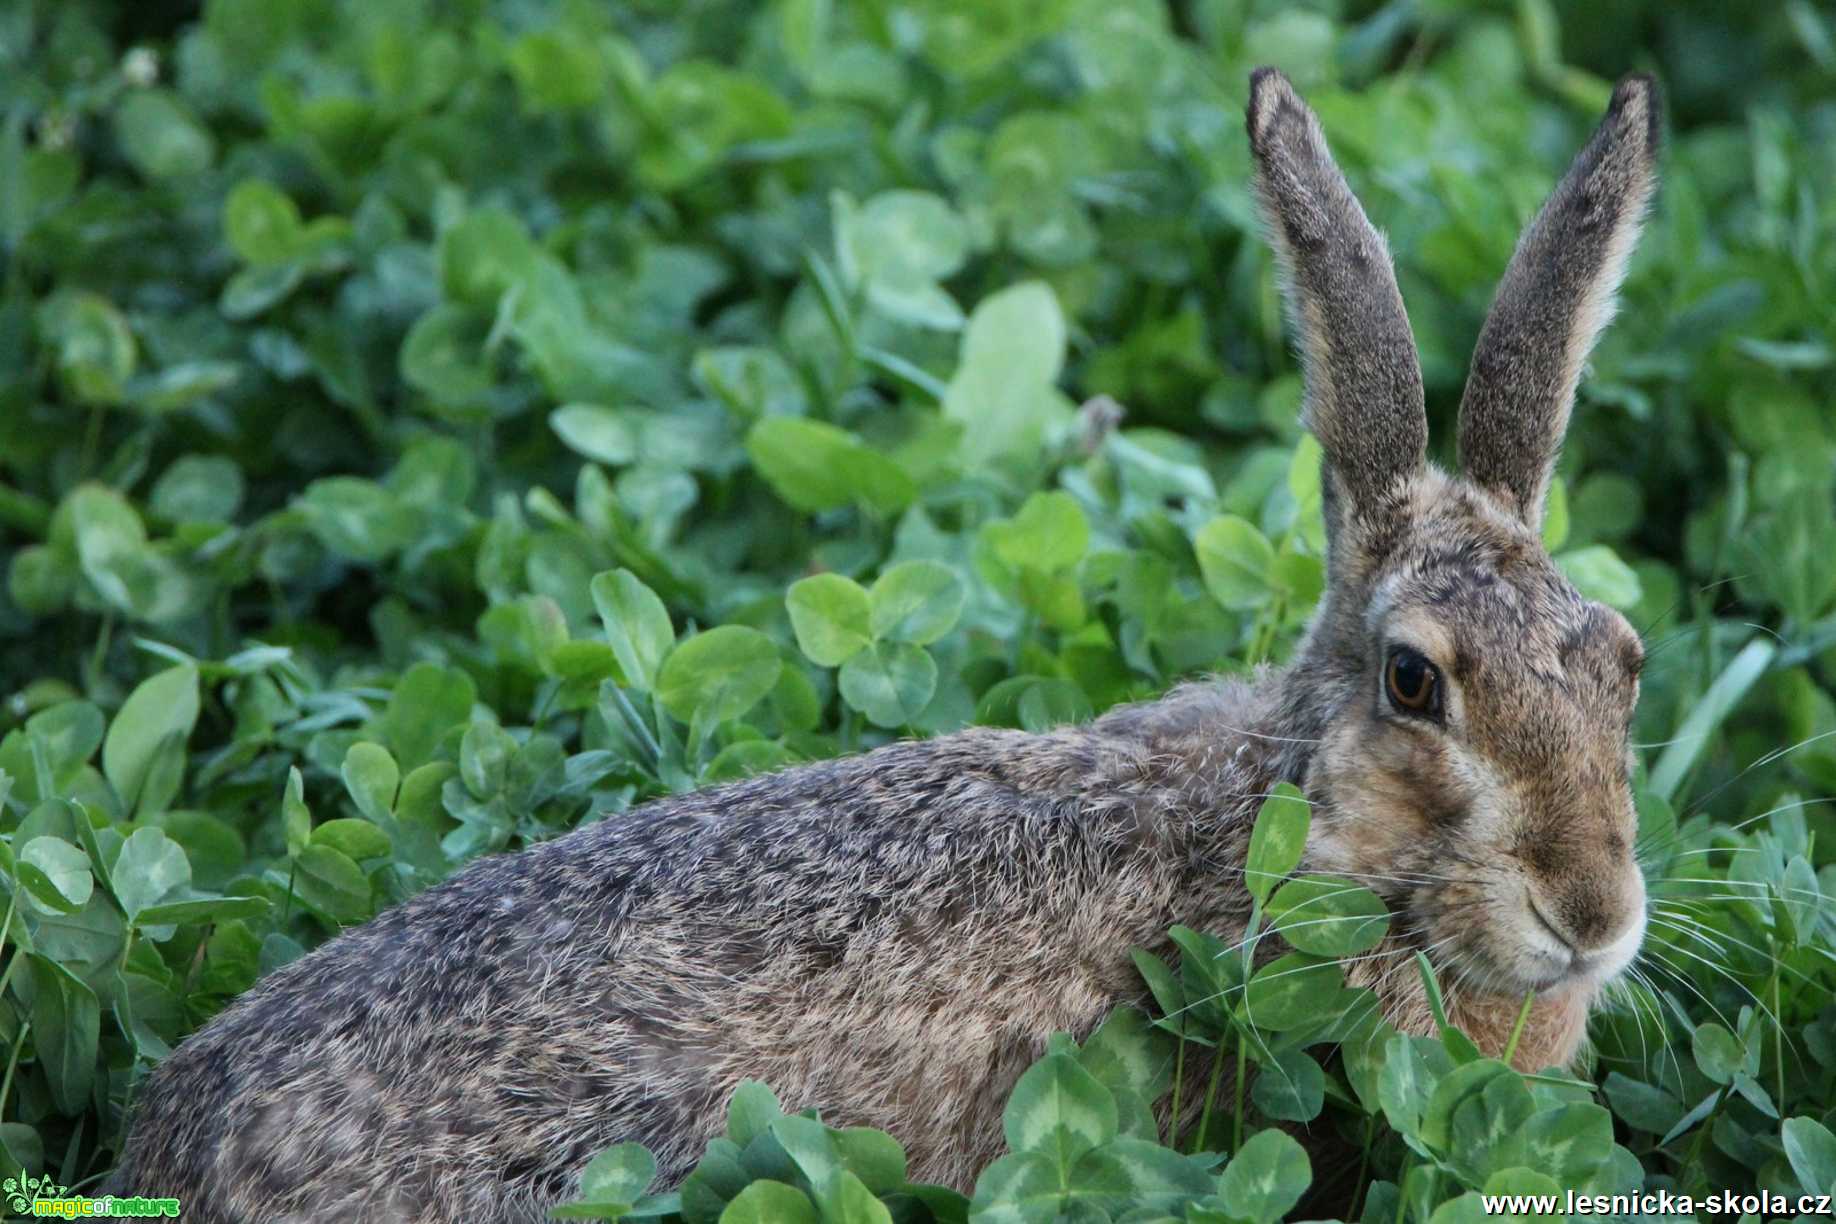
<point>426,426</point>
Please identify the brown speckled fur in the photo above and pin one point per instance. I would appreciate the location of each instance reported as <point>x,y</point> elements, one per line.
<point>892,937</point>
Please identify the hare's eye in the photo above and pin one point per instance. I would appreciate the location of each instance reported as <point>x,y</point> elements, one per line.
<point>1414,687</point>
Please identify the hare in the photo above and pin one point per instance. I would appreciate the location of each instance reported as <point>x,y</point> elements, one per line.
<point>893,936</point>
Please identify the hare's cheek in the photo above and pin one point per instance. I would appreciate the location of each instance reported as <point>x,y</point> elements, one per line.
<point>1381,794</point>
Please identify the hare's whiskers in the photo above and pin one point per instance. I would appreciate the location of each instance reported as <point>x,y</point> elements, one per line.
<point>1679,975</point>
<point>1274,739</point>
<point>1758,1003</point>
<point>1720,940</point>
<point>1646,994</point>
<point>1768,759</point>
<point>1680,854</point>
<point>1762,886</point>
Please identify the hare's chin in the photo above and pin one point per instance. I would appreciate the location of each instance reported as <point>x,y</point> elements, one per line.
<point>1603,965</point>
<point>1510,955</point>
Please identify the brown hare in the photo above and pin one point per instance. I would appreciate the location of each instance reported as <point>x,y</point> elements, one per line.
<point>892,937</point>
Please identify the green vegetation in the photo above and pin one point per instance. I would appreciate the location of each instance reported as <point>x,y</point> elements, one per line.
<point>425,426</point>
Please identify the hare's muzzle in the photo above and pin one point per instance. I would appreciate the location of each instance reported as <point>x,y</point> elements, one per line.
<point>1585,926</point>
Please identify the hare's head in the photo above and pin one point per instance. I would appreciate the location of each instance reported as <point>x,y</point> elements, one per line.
<point>1474,707</point>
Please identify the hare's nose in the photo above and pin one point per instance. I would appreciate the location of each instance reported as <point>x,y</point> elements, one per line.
<point>1552,927</point>
<point>1590,916</point>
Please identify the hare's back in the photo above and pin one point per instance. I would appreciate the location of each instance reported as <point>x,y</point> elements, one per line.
<point>615,983</point>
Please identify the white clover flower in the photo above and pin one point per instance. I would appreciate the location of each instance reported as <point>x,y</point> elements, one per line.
<point>140,66</point>
<point>56,129</point>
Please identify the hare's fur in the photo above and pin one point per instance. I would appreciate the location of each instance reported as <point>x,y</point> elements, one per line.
<point>892,937</point>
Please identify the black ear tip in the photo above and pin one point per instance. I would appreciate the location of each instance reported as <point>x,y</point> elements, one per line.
<point>1270,93</point>
<point>1636,82</point>
<point>1261,74</point>
<point>1641,90</point>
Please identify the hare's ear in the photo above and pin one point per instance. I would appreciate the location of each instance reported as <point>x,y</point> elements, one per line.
<point>1554,299</point>
<point>1364,384</point>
